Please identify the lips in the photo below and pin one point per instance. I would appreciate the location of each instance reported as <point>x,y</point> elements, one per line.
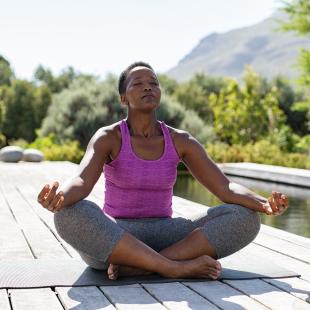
<point>148,96</point>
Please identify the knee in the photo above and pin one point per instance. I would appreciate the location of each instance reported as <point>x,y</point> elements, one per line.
<point>248,220</point>
<point>70,218</point>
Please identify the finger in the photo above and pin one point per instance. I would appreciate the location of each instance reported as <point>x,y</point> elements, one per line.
<point>43,192</point>
<point>277,199</point>
<point>266,208</point>
<point>284,200</point>
<point>54,202</point>
<point>59,203</point>
<point>50,196</point>
<point>272,205</point>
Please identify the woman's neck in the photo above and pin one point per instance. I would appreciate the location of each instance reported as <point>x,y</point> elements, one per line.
<point>143,126</point>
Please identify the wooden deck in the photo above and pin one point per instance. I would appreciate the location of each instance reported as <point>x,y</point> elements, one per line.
<point>27,231</point>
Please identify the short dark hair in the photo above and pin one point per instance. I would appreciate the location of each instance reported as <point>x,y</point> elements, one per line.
<point>123,77</point>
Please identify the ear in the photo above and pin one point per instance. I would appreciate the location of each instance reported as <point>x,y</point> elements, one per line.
<point>123,99</point>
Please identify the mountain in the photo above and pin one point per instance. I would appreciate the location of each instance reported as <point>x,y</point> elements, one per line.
<point>268,50</point>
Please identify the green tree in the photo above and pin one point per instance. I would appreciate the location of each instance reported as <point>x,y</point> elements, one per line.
<point>55,83</point>
<point>287,97</point>
<point>41,104</point>
<point>298,12</point>
<point>167,84</point>
<point>194,94</point>
<point>243,115</point>
<point>19,119</point>
<point>6,73</point>
<point>78,111</point>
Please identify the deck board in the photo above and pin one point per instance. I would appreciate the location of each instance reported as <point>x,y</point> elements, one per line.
<point>131,297</point>
<point>268,294</point>
<point>89,297</point>
<point>28,231</point>
<point>224,296</point>
<point>34,299</point>
<point>4,300</point>
<point>178,296</point>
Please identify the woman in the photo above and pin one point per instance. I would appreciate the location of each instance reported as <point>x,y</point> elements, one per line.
<point>134,233</point>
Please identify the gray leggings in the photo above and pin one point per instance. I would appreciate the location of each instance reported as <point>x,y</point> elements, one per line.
<point>83,225</point>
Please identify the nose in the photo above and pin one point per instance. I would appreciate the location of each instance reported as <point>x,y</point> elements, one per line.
<point>147,87</point>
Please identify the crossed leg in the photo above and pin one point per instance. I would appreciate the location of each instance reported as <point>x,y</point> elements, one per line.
<point>229,227</point>
<point>190,257</point>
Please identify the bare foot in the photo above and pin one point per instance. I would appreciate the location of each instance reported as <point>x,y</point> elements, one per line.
<point>116,271</point>
<point>201,267</point>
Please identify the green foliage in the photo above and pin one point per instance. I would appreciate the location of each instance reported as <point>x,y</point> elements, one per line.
<point>19,120</point>
<point>2,140</point>
<point>167,84</point>
<point>78,111</point>
<point>302,145</point>
<point>58,83</point>
<point>243,115</point>
<point>194,94</point>
<point>263,152</point>
<point>195,126</point>
<point>304,65</point>
<point>298,12</point>
<point>173,114</point>
<point>19,142</point>
<point>52,149</point>
<point>170,111</point>
<point>288,97</point>
<point>6,73</point>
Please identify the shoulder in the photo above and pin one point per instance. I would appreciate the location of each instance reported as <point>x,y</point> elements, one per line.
<point>183,140</point>
<point>107,136</point>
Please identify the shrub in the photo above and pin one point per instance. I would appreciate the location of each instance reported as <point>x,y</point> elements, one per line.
<point>2,140</point>
<point>68,151</point>
<point>262,152</point>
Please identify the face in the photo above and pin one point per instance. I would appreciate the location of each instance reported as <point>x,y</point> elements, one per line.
<point>142,89</point>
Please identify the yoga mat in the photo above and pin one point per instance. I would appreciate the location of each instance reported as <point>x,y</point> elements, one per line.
<point>36,273</point>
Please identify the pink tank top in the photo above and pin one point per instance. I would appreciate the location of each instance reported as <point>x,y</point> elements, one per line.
<point>138,188</point>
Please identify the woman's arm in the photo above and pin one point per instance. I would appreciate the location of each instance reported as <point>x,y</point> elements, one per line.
<point>90,168</point>
<point>208,174</point>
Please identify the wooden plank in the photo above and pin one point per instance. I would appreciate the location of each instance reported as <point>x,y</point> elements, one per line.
<point>131,297</point>
<point>46,216</point>
<point>224,296</point>
<point>281,259</point>
<point>290,237</point>
<point>43,243</point>
<point>177,296</point>
<point>282,246</point>
<point>4,300</point>
<point>89,297</point>
<point>268,295</point>
<point>12,241</point>
<point>294,286</point>
<point>34,299</point>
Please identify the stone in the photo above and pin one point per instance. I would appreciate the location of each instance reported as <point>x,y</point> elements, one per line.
<point>33,155</point>
<point>11,154</point>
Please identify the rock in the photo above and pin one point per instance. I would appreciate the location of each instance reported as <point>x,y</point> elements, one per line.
<point>33,155</point>
<point>11,154</point>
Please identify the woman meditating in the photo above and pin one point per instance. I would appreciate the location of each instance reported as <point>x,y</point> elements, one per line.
<point>134,233</point>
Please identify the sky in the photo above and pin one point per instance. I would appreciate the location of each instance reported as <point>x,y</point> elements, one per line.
<point>105,36</point>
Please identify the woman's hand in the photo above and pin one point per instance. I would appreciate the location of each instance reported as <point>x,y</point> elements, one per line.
<point>276,204</point>
<point>49,199</point>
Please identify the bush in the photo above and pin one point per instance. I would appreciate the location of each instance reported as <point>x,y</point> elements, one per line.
<point>2,140</point>
<point>68,151</point>
<point>262,152</point>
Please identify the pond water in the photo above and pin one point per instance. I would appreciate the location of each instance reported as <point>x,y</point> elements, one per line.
<point>295,220</point>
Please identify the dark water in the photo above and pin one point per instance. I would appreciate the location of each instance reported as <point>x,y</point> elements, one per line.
<point>295,220</point>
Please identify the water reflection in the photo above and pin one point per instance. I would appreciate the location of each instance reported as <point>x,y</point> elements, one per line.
<point>296,219</point>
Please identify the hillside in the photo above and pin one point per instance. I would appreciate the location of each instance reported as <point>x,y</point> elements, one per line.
<point>268,50</point>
